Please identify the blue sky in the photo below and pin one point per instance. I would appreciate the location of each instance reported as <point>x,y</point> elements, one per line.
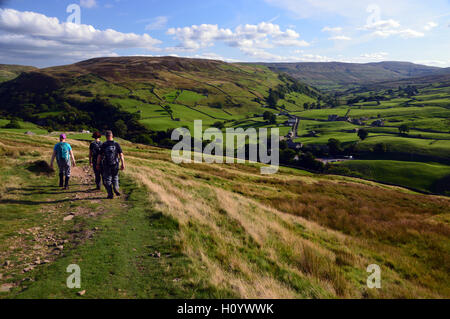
<point>37,32</point>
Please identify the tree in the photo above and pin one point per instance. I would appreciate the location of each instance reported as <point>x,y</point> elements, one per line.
<point>335,146</point>
<point>287,156</point>
<point>13,124</point>
<point>283,145</point>
<point>219,125</point>
<point>363,134</point>
<point>121,128</point>
<point>273,98</point>
<point>270,117</point>
<point>380,148</point>
<point>403,129</point>
<point>307,160</point>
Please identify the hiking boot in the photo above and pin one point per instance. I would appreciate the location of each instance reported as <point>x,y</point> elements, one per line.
<point>61,180</point>
<point>98,187</point>
<point>110,192</point>
<point>66,185</point>
<point>117,192</point>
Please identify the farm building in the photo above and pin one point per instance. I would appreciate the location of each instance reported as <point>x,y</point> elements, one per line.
<point>294,145</point>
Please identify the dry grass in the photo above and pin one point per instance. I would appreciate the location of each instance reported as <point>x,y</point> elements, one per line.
<point>291,235</point>
<point>300,235</point>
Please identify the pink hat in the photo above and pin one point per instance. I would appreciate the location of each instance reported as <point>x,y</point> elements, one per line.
<point>62,137</point>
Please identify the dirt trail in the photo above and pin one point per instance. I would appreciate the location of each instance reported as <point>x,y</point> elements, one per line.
<point>43,244</point>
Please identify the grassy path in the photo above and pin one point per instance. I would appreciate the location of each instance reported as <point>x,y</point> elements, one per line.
<point>124,248</point>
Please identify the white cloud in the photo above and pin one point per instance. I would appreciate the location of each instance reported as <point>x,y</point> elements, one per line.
<point>315,58</point>
<point>353,10</point>
<point>438,63</point>
<point>404,33</point>
<point>387,28</point>
<point>382,25</point>
<point>30,34</point>
<point>88,3</point>
<point>340,38</point>
<point>262,35</point>
<point>430,25</point>
<point>332,29</point>
<point>157,23</point>
<point>374,56</point>
<point>262,55</point>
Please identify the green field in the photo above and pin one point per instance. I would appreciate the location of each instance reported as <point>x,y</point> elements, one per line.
<point>425,177</point>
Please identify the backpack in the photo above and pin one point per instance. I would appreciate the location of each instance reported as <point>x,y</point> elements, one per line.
<point>95,147</point>
<point>111,155</point>
<point>63,151</point>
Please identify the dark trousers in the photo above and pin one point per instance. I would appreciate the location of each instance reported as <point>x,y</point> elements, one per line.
<point>64,167</point>
<point>111,178</point>
<point>98,175</point>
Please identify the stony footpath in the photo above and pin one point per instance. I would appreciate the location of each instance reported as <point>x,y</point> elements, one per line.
<point>64,227</point>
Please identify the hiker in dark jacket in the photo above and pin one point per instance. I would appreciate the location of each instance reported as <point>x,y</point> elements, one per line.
<point>63,154</point>
<point>110,155</point>
<point>94,151</point>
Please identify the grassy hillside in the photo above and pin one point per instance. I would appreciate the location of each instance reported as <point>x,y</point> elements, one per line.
<point>426,177</point>
<point>161,93</point>
<point>207,230</point>
<point>9,71</point>
<point>336,75</point>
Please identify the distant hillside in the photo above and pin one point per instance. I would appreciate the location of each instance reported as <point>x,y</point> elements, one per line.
<point>9,72</point>
<point>160,92</point>
<point>440,77</point>
<point>335,75</point>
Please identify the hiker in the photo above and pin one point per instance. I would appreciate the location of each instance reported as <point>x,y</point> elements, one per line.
<point>63,154</point>
<point>110,154</point>
<point>94,151</point>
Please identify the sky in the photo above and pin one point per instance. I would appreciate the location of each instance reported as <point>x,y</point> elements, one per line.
<point>56,32</point>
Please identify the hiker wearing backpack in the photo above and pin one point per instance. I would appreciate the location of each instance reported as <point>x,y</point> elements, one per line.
<point>110,155</point>
<point>94,151</point>
<point>63,154</point>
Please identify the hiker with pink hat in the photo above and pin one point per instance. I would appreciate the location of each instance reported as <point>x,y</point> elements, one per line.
<point>63,154</point>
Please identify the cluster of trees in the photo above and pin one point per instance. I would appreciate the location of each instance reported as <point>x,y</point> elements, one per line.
<point>403,129</point>
<point>75,115</point>
<point>408,91</point>
<point>290,85</point>
<point>296,86</point>
<point>13,124</point>
<point>270,117</point>
<point>363,99</point>
<point>302,158</point>
<point>311,106</point>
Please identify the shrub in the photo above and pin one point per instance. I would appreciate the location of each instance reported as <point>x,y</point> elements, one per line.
<point>13,124</point>
<point>363,134</point>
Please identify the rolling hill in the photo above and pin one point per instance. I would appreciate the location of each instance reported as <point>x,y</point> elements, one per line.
<point>337,75</point>
<point>9,71</point>
<point>162,92</point>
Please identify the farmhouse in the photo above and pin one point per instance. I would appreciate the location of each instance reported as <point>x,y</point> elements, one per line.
<point>290,135</point>
<point>290,122</point>
<point>294,145</point>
